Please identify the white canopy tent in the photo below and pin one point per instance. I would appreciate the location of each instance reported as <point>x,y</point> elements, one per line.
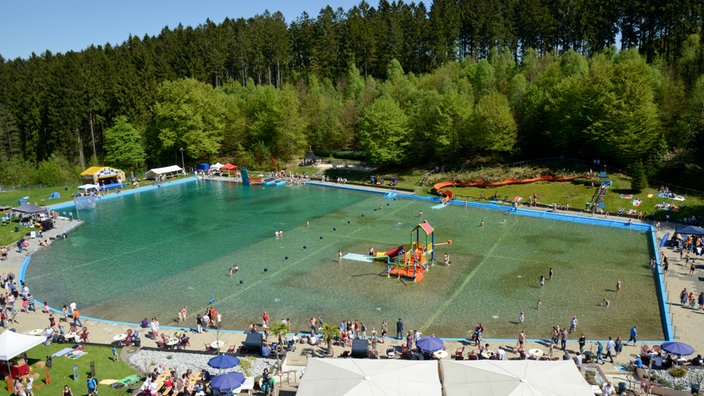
<point>216,166</point>
<point>12,344</point>
<point>165,171</point>
<point>370,377</point>
<point>513,378</point>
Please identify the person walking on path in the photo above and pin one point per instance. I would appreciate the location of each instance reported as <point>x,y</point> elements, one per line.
<point>77,318</point>
<point>611,349</point>
<point>399,329</point>
<point>634,335</point>
<point>600,353</point>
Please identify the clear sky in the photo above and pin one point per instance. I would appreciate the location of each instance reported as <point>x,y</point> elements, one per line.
<point>28,26</point>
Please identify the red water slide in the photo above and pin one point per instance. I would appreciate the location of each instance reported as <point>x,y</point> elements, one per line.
<point>447,195</point>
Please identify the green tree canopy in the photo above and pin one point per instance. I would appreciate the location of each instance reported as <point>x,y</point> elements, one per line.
<point>190,115</point>
<point>383,131</point>
<point>123,145</point>
<point>495,129</point>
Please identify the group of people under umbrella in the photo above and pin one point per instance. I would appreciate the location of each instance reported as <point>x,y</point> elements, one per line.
<point>225,382</point>
<point>233,381</point>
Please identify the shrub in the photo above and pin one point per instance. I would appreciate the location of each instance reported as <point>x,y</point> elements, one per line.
<point>678,371</point>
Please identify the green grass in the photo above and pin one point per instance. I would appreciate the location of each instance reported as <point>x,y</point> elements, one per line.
<point>62,370</point>
<point>577,194</point>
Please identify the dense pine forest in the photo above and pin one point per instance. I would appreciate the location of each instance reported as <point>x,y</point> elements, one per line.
<point>452,83</point>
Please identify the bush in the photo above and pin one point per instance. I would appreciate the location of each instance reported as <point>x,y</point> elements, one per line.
<point>677,371</point>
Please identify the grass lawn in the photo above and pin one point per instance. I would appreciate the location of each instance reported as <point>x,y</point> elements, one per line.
<point>61,372</point>
<point>578,194</point>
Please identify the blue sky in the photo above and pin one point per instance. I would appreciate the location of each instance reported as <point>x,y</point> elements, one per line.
<point>28,26</point>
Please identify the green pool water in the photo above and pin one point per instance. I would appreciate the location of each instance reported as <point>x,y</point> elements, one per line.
<point>148,254</point>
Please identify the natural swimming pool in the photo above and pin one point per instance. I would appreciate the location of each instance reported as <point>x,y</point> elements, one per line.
<point>148,254</point>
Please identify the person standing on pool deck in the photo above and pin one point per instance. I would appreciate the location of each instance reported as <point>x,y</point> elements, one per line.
<point>539,304</point>
<point>551,273</point>
<point>521,340</point>
<point>521,317</point>
<point>399,329</point>
<point>446,259</point>
<point>542,281</point>
<point>618,286</point>
<point>339,256</point>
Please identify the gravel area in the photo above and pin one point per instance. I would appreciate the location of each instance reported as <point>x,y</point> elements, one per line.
<point>146,360</point>
<point>693,376</point>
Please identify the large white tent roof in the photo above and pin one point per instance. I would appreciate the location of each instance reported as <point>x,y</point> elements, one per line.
<point>513,378</point>
<point>12,344</point>
<point>370,377</point>
<point>152,173</point>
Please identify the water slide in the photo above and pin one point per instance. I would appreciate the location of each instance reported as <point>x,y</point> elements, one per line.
<point>447,195</point>
<point>390,253</point>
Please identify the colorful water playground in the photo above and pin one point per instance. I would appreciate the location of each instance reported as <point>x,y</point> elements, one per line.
<point>148,254</point>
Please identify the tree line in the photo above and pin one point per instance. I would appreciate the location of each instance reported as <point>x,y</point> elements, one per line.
<point>455,83</point>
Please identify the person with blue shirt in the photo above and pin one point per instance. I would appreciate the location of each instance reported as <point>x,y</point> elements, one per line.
<point>92,386</point>
<point>634,335</point>
<point>638,362</point>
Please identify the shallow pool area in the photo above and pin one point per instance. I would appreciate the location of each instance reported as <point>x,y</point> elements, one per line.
<point>148,254</point>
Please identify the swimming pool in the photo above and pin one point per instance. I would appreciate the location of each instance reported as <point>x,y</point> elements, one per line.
<point>148,254</point>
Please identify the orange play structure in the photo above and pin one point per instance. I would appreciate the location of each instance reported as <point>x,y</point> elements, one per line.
<point>412,260</point>
<point>447,195</point>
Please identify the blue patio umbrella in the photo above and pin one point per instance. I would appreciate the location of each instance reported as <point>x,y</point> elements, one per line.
<point>430,344</point>
<point>224,361</point>
<point>228,381</point>
<point>678,348</point>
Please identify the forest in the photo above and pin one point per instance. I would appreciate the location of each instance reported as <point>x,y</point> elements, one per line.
<point>455,83</point>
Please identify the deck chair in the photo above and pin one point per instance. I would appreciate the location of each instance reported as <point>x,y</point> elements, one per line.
<point>161,345</point>
<point>459,353</point>
<point>209,348</point>
<point>84,336</point>
<point>186,341</point>
<point>231,349</point>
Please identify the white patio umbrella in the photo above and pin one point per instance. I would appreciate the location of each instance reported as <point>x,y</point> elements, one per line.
<point>365,377</point>
<point>513,378</point>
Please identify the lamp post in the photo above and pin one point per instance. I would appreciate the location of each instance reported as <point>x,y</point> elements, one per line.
<point>183,164</point>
